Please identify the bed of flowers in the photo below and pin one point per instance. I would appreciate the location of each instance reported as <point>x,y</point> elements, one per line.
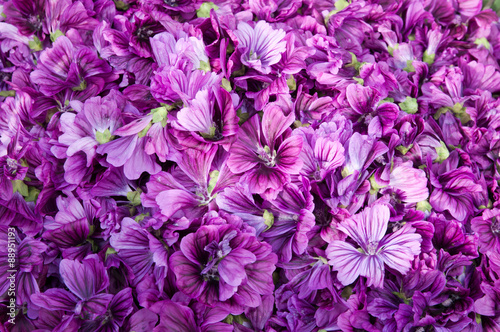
<point>260,165</point>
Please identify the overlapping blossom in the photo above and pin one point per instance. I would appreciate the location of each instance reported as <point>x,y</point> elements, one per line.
<point>257,165</point>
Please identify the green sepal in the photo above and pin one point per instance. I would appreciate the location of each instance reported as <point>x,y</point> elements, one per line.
<point>339,5</point>
<point>160,115</point>
<point>410,105</point>
<point>121,5</point>
<point>110,251</point>
<point>424,206</point>
<point>214,176</point>
<point>210,134</point>
<point>346,293</point>
<point>104,137</point>
<point>386,100</point>
<point>56,34</point>
<point>442,152</point>
<point>403,149</point>
<point>134,197</point>
<point>402,296</point>
<point>346,172</point>
<point>35,44</point>
<point>268,219</point>
<point>143,132</point>
<point>21,187</point>
<point>8,93</point>
<point>81,87</point>
<point>374,186</point>
<point>323,260</point>
<point>291,83</point>
<point>483,41</point>
<point>440,112</point>
<point>391,49</point>
<point>239,72</point>
<point>409,66</point>
<point>32,194</point>
<point>359,80</point>
<point>141,217</point>
<point>461,113</point>
<point>226,85</point>
<point>429,58</point>
<point>243,116</point>
<point>204,10</point>
<point>298,124</point>
<point>205,66</point>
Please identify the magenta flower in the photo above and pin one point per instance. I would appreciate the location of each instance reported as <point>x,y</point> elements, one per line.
<point>210,118</point>
<point>260,46</point>
<point>367,229</point>
<point>266,152</point>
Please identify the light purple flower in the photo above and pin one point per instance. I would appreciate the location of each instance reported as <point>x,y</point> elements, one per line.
<point>412,182</point>
<point>487,228</point>
<point>367,229</point>
<point>210,118</point>
<point>260,46</point>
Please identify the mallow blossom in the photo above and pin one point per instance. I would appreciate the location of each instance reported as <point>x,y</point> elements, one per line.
<point>266,152</point>
<point>224,265</point>
<point>374,249</point>
<point>261,46</point>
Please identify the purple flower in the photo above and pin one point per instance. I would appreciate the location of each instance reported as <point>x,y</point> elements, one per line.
<point>177,317</point>
<point>189,190</point>
<point>487,227</point>
<point>140,250</point>
<point>210,118</point>
<point>480,76</point>
<point>450,236</point>
<point>367,229</point>
<point>94,124</point>
<point>411,182</point>
<point>260,46</point>
<point>221,265</point>
<point>70,228</point>
<point>171,51</point>
<point>367,111</point>
<point>266,153</point>
<point>26,15</point>
<point>11,168</point>
<point>65,15</point>
<point>129,150</point>
<point>293,219</point>
<point>321,153</point>
<point>117,311</point>
<point>453,192</point>
<point>28,264</point>
<point>85,280</point>
<point>274,10</point>
<point>170,85</point>
<point>65,66</point>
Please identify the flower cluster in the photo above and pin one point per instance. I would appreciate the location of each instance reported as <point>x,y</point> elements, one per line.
<point>257,165</point>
